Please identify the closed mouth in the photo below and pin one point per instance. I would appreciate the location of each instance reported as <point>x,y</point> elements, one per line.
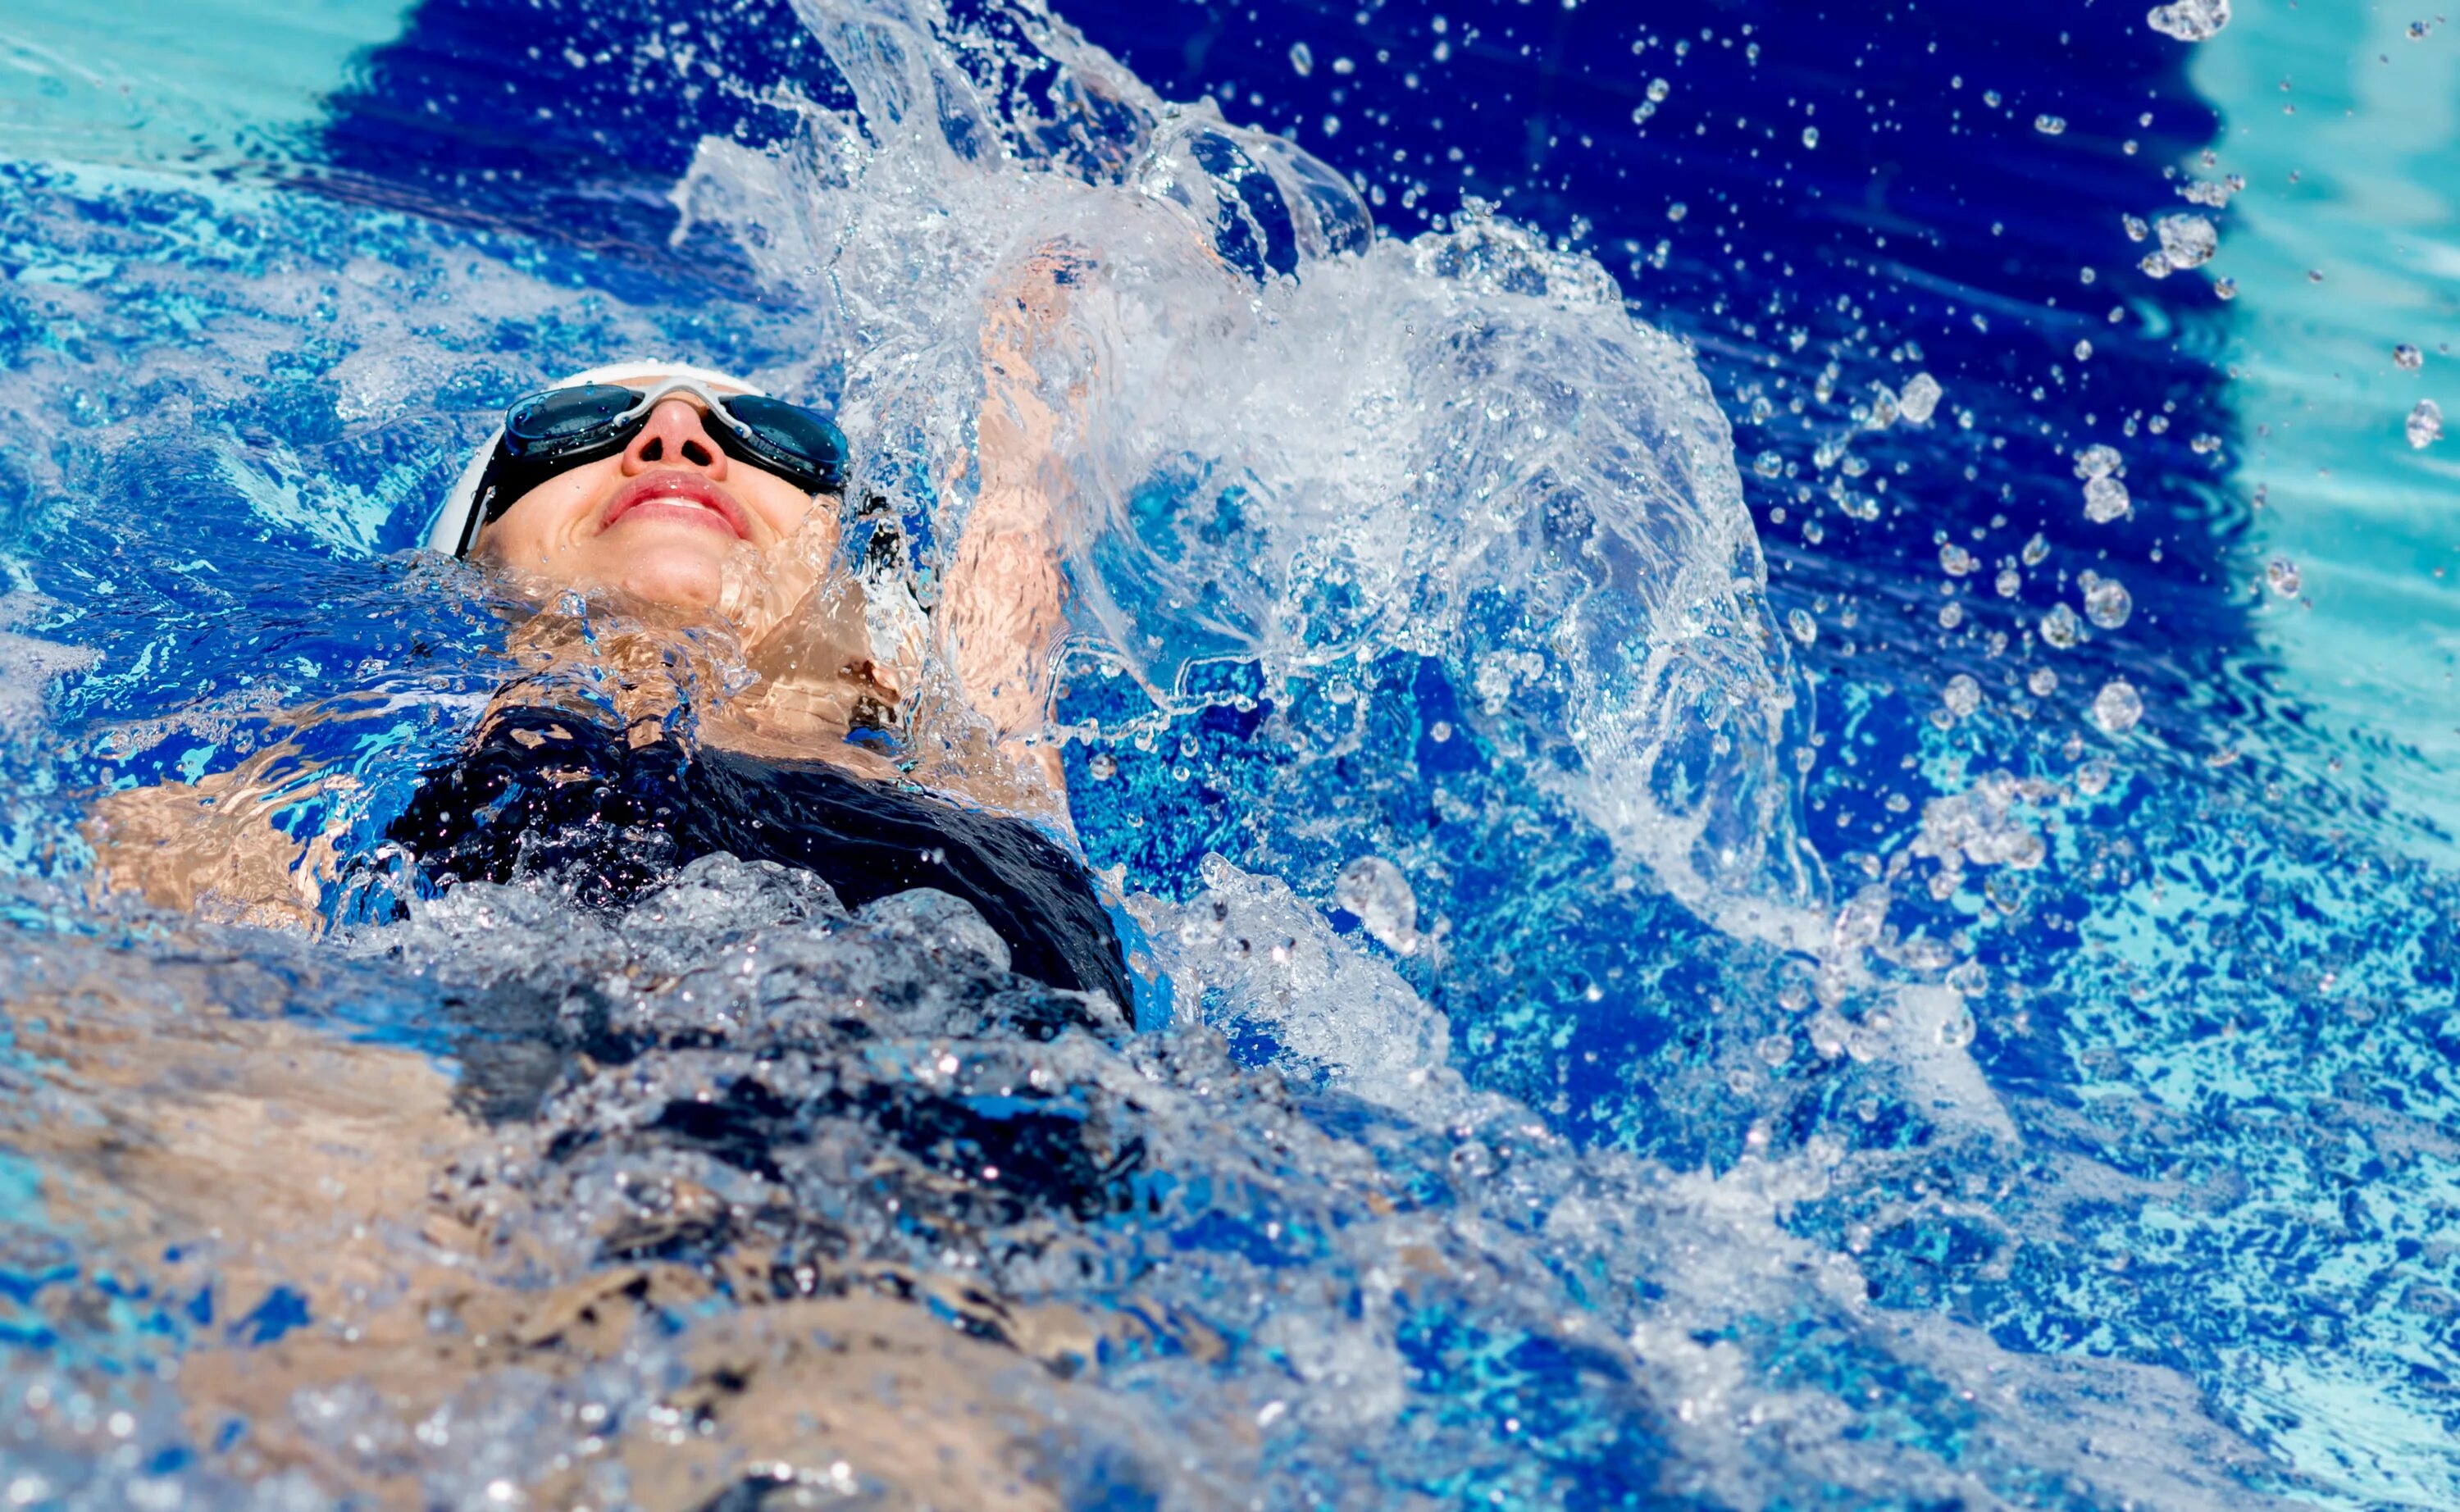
<point>682,495</point>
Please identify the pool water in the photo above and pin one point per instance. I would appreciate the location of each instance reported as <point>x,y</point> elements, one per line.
<point>1765,685</point>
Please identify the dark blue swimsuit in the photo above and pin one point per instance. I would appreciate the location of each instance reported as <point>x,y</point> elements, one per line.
<point>541,791</point>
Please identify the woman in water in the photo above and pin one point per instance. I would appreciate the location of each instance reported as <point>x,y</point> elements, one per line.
<point>706,511</point>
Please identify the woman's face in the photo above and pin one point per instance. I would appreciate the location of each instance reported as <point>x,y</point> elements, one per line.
<point>659,522</point>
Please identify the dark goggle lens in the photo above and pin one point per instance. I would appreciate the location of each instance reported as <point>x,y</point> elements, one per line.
<point>795,433</point>
<point>560,416</point>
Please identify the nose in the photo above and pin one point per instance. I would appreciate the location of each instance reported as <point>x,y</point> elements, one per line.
<point>676,435</point>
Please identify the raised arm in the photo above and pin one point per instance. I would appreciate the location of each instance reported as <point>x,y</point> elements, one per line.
<point>1002,610</point>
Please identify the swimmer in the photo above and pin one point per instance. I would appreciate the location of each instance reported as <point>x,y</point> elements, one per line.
<point>701,508</point>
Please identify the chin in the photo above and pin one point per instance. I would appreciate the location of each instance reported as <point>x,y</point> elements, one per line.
<point>682,581</point>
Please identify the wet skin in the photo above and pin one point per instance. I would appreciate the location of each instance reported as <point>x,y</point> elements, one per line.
<point>656,521</point>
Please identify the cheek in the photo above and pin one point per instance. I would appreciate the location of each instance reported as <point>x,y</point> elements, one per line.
<point>784,507</point>
<point>549,518</point>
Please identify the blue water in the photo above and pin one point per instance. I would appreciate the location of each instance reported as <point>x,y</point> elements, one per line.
<point>2070,1124</point>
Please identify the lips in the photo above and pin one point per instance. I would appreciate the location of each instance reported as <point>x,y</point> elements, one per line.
<point>687,497</point>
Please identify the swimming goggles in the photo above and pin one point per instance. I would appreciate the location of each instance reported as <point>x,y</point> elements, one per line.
<point>581,421</point>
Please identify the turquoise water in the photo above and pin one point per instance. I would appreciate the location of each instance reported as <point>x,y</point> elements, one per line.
<point>1675,987</point>
<point>2348,167</point>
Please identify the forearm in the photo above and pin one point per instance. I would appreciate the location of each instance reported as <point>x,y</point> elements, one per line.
<point>1004,607</point>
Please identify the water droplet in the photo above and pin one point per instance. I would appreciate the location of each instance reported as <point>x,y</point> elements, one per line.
<point>2084,352</point>
<point>2043,682</point>
<point>1658,90</point>
<point>1104,766</point>
<point>2098,462</point>
<point>2225,287</point>
<point>2136,230</point>
<point>2036,550</point>
<point>1301,59</point>
<point>1810,135</point>
<point>1677,210</point>
<point>2190,20</point>
<point>2060,629</point>
<point>2050,125</point>
<point>1957,1030</point>
<point>2187,241</point>
<point>1374,889</point>
<point>2425,425</point>
<point>2407,358</point>
<point>1805,629</point>
<point>2117,706</point>
<point>1920,399</point>
<point>1963,695</point>
<point>1770,464</point>
<point>2009,582</point>
<point>2104,499</point>
<point>2108,604</point>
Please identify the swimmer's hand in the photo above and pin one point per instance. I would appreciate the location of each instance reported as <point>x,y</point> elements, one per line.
<point>209,848</point>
